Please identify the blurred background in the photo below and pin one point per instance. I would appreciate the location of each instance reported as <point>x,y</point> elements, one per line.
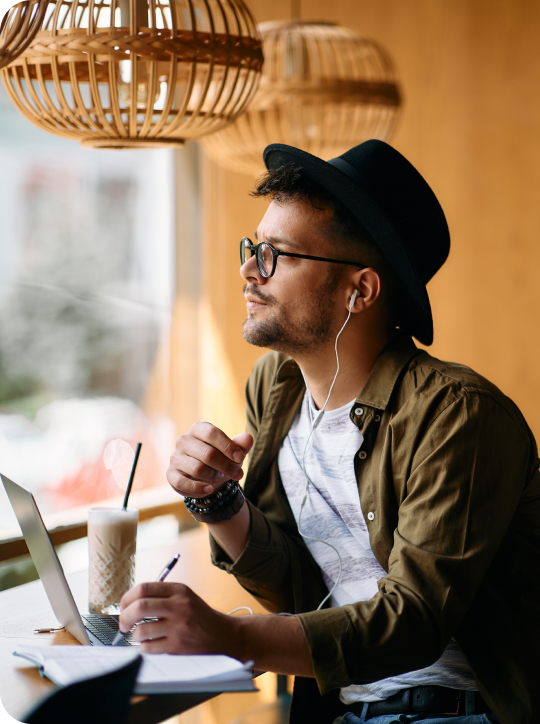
<point>120,299</point>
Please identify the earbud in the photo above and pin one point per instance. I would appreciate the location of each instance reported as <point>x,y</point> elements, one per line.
<point>353,299</point>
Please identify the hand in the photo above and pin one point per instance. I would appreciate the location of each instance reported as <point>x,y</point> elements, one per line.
<point>186,625</point>
<point>205,458</point>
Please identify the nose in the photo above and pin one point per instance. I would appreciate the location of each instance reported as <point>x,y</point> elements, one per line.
<point>249,271</point>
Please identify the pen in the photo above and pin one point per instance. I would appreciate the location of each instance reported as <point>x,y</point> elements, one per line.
<point>168,568</point>
<point>162,576</point>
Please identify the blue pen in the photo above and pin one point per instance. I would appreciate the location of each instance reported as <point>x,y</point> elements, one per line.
<point>162,576</point>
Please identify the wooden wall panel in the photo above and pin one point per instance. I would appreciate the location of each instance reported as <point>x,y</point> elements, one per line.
<point>470,74</point>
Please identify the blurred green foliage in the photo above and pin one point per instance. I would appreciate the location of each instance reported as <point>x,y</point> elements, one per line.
<point>16,572</point>
<point>15,387</point>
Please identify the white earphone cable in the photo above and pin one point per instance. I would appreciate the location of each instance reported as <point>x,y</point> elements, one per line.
<point>241,608</point>
<point>315,424</point>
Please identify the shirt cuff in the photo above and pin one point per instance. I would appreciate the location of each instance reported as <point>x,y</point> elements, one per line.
<point>332,643</point>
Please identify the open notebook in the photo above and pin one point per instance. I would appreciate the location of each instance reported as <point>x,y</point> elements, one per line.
<point>159,673</point>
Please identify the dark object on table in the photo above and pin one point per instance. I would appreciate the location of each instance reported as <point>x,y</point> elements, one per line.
<point>104,699</point>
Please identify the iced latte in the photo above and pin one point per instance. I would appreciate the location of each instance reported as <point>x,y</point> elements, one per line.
<point>112,539</point>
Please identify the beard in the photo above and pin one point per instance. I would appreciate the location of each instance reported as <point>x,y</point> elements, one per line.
<point>285,329</point>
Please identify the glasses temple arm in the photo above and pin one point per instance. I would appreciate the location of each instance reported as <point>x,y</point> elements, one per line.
<point>320,258</point>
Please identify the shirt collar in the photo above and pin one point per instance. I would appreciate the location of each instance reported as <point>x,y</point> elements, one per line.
<point>388,366</point>
<point>381,382</point>
<point>288,368</point>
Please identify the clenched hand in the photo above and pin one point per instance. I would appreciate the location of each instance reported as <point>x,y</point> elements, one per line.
<point>205,458</point>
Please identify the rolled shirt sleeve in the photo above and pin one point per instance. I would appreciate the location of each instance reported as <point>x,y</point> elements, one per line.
<point>263,568</point>
<point>273,567</point>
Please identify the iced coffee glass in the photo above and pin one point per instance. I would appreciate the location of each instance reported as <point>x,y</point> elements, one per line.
<point>112,540</point>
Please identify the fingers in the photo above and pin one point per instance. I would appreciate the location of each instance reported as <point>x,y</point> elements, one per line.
<point>146,600</point>
<point>193,488</point>
<point>245,441</point>
<point>202,461</point>
<point>150,630</point>
<point>150,589</point>
<point>183,623</point>
<point>191,475</point>
<point>158,646</point>
<point>217,439</point>
<point>205,458</point>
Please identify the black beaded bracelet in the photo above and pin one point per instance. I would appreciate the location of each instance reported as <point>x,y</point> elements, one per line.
<point>211,500</point>
<point>219,506</point>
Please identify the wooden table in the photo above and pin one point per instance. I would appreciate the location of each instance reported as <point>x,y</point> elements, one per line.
<point>25,608</point>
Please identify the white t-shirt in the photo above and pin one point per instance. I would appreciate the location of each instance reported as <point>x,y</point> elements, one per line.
<point>332,513</point>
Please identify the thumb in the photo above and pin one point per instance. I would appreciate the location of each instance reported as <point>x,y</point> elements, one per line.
<point>245,441</point>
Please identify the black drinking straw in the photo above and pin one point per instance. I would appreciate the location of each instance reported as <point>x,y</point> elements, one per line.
<point>132,475</point>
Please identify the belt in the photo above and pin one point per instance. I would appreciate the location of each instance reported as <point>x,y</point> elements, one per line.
<point>423,699</point>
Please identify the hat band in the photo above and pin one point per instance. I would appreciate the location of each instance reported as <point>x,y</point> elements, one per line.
<point>347,169</point>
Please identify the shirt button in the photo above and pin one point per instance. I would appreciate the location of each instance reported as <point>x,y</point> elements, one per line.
<point>370,515</point>
<point>362,454</point>
<point>377,418</point>
<point>359,411</point>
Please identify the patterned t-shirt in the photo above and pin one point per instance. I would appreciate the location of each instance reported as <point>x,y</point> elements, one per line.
<point>332,513</point>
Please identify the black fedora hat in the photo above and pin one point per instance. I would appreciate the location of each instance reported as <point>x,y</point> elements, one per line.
<point>396,207</point>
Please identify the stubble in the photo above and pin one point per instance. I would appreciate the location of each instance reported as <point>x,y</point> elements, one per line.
<point>295,327</point>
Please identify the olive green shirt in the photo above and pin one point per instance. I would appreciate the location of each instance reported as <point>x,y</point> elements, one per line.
<point>449,487</point>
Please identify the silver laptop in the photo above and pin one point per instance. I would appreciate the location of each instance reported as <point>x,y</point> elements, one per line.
<point>90,629</point>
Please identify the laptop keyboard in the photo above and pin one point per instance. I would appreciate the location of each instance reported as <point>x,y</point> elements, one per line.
<point>105,628</point>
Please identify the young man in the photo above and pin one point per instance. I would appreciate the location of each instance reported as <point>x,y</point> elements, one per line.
<point>407,501</point>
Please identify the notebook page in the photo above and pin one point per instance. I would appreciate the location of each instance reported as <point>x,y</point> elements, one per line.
<point>66,664</point>
<point>81,668</point>
<point>158,668</point>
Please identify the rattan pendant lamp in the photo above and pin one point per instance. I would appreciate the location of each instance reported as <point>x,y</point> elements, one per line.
<point>18,28</point>
<point>324,89</point>
<point>137,73</point>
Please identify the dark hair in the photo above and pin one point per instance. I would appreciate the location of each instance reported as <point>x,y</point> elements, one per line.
<point>287,183</point>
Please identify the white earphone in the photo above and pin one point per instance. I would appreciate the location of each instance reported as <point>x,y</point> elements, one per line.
<point>353,299</point>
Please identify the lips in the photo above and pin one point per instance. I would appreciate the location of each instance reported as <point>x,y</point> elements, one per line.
<point>253,302</point>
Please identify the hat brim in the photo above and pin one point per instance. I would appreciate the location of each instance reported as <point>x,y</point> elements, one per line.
<point>419,320</point>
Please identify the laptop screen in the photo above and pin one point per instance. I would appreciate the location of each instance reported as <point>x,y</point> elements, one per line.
<point>45,559</point>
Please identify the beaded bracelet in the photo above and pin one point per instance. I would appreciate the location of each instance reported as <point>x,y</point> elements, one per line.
<point>219,506</point>
<point>208,502</point>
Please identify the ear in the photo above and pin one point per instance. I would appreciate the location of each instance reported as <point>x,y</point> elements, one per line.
<point>367,285</point>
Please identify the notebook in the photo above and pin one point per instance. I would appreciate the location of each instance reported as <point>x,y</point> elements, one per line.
<point>159,673</point>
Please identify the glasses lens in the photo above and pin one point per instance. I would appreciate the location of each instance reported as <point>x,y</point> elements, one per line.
<point>244,247</point>
<point>265,259</point>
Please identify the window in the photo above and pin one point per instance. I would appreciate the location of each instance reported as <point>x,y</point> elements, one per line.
<point>86,291</point>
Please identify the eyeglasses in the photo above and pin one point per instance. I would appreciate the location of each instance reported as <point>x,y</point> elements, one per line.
<point>267,257</point>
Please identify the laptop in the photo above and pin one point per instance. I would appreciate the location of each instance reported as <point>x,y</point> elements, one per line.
<point>90,629</point>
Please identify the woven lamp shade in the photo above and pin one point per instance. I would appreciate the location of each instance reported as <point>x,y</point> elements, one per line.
<point>137,73</point>
<point>324,89</point>
<point>18,28</point>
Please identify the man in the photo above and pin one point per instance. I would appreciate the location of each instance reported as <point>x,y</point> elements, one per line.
<point>406,502</point>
